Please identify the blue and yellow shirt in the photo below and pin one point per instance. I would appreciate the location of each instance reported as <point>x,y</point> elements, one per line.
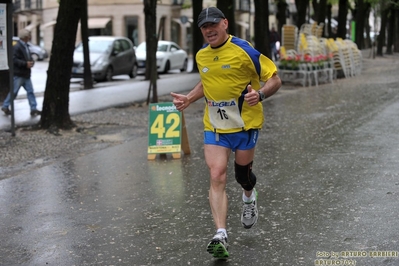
<point>225,73</point>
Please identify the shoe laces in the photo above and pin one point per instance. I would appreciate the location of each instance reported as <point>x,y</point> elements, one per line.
<point>220,236</point>
<point>249,210</point>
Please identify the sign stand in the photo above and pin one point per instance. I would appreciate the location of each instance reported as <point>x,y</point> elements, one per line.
<point>167,131</point>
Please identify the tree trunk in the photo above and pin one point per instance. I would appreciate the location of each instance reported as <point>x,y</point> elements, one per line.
<point>316,10</point>
<point>396,36</point>
<point>301,7</point>
<point>87,75</point>
<point>342,14</point>
<point>55,113</point>
<point>228,9</point>
<point>150,11</point>
<point>321,16</point>
<point>329,17</point>
<point>198,40</point>
<point>262,43</point>
<point>359,27</point>
<point>281,15</point>
<point>391,30</point>
<point>381,35</point>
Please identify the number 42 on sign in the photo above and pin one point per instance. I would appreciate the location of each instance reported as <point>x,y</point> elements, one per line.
<point>167,131</point>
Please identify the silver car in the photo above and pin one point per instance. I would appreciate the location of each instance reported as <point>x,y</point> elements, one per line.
<point>109,56</point>
<point>169,56</point>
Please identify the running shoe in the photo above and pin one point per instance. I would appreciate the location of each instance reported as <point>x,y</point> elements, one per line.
<point>249,215</point>
<point>218,246</point>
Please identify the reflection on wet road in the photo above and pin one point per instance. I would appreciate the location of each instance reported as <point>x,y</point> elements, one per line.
<point>328,182</point>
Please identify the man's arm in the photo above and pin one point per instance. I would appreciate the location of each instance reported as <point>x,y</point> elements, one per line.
<point>270,87</point>
<point>183,101</point>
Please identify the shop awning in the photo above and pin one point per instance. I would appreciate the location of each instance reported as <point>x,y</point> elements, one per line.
<point>30,27</point>
<point>48,24</point>
<point>243,24</point>
<point>97,23</point>
<point>187,24</point>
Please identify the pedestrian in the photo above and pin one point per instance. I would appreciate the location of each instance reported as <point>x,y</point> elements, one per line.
<point>23,63</point>
<point>274,37</point>
<point>230,71</point>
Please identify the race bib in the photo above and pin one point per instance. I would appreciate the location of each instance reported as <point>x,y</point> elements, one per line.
<point>225,114</point>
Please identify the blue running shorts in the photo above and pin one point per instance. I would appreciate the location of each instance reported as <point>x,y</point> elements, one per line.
<point>243,140</point>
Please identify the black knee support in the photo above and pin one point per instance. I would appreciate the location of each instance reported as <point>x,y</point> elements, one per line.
<point>244,176</point>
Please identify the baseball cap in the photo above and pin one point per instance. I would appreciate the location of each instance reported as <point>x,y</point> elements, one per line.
<point>210,14</point>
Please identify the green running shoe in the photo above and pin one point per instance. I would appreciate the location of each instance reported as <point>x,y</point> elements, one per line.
<point>218,246</point>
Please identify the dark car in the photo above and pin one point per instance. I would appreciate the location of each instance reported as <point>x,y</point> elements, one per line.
<point>38,53</point>
<point>109,56</point>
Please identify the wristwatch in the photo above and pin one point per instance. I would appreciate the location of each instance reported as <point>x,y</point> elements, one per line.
<point>261,96</point>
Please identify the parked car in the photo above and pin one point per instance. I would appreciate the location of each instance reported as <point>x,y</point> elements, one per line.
<point>38,53</point>
<point>109,56</point>
<point>169,56</point>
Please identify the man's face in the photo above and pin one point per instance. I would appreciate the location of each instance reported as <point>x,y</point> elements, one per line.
<point>26,39</point>
<point>215,33</point>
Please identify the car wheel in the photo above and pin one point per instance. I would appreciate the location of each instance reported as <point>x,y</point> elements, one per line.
<point>167,67</point>
<point>184,68</point>
<point>109,74</point>
<point>133,73</point>
<point>35,57</point>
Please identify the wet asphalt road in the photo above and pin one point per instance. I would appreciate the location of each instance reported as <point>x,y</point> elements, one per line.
<point>327,165</point>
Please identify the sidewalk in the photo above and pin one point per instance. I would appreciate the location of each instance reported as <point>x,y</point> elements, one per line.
<point>102,98</point>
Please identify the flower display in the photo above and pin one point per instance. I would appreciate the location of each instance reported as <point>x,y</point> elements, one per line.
<point>293,61</point>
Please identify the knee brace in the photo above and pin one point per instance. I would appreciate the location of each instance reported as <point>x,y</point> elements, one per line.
<point>244,176</point>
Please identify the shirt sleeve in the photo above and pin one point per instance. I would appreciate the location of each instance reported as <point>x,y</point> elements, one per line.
<point>268,68</point>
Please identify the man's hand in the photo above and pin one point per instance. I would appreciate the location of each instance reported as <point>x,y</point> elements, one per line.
<point>252,97</point>
<point>180,101</point>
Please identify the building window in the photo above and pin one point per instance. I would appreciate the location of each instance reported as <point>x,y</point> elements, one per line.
<point>17,5</point>
<point>132,29</point>
<point>27,4</point>
<point>243,5</point>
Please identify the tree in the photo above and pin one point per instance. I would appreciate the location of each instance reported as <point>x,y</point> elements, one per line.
<point>281,15</point>
<point>393,27</point>
<point>384,21</point>
<point>329,32</point>
<point>228,9</point>
<point>320,11</point>
<point>301,7</point>
<point>87,75</point>
<point>150,11</point>
<point>261,28</point>
<point>55,112</point>
<point>342,14</point>
<point>197,35</point>
<point>396,30</point>
<point>361,8</point>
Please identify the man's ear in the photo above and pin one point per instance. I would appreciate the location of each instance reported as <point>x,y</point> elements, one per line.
<point>226,23</point>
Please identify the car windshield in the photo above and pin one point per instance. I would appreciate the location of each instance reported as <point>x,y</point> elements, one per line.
<point>161,47</point>
<point>96,46</point>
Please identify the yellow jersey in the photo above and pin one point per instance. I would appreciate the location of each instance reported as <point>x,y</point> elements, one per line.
<point>225,73</point>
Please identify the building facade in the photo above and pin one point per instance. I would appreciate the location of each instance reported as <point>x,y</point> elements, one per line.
<point>123,18</point>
